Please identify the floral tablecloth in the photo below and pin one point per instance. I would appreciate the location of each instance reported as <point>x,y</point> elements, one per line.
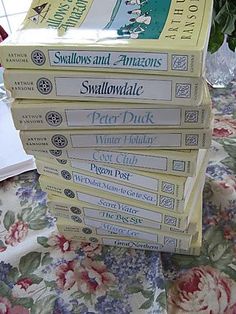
<point>42,272</point>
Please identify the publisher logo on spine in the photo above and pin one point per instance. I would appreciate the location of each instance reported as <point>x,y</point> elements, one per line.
<point>69,193</point>
<point>76,219</point>
<point>93,240</point>
<point>55,153</point>
<point>38,57</point>
<point>87,230</point>
<point>66,175</point>
<point>60,141</point>
<point>44,86</point>
<point>61,161</point>
<point>53,118</point>
<point>75,210</point>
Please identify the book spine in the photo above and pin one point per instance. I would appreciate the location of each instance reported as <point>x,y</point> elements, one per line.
<point>37,117</point>
<point>176,239</point>
<point>150,201</point>
<point>142,216</point>
<point>150,246</point>
<point>78,214</point>
<point>131,243</point>
<point>166,186</point>
<point>98,229</point>
<point>109,187</point>
<point>161,162</point>
<point>80,86</point>
<point>172,139</point>
<point>180,63</point>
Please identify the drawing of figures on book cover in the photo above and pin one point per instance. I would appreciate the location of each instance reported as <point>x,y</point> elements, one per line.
<point>143,19</point>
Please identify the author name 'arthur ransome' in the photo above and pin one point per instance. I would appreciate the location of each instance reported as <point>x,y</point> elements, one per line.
<point>105,88</point>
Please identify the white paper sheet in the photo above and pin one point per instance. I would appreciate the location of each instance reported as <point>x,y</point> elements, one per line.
<point>13,159</point>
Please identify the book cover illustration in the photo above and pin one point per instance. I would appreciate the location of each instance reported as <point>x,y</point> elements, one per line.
<point>134,19</point>
<point>166,36</point>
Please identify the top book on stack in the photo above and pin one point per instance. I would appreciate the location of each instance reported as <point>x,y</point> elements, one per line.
<point>164,37</point>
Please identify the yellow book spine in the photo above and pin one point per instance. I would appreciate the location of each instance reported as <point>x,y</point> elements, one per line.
<point>167,38</point>
<point>80,234</point>
<point>83,173</point>
<point>66,85</point>
<point>72,191</point>
<point>98,229</point>
<point>95,206</point>
<point>36,115</point>
<point>120,139</point>
<point>115,191</point>
<point>134,244</point>
<point>181,163</point>
<point>78,215</point>
<point>178,62</point>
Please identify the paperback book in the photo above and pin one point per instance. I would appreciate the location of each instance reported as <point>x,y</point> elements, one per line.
<point>98,176</point>
<point>145,214</point>
<point>167,37</point>
<point>117,139</point>
<point>151,190</point>
<point>181,163</point>
<point>75,163</point>
<point>98,229</point>
<point>194,249</point>
<point>130,196</point>
<point>91,86</point>
<point>90,234</point>
<point>74,233</point>
<point>77,211</point>
<point>37,115</point>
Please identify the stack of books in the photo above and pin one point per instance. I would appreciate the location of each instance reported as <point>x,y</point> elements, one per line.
<point>110,98</point>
